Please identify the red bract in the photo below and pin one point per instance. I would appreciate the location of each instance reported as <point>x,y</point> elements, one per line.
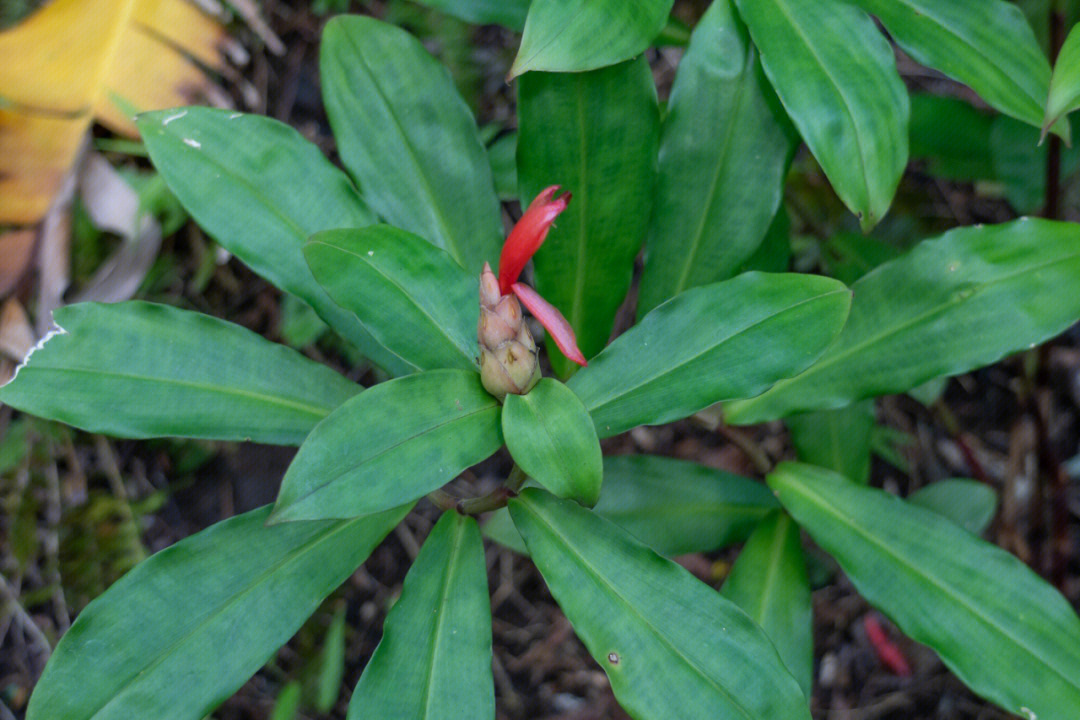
<point>524,240</point>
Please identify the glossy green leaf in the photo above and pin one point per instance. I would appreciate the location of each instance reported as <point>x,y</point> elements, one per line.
<point>412,296</point>
<point>434,660</point>
<point>218,604</point>
<point>552,439</point>
<point>673,506</point>
<point>595,134</point>
<point>769,582</point>
<point>986,44</point>
<point>968,503</point>
<point>731,339</point>
<point>952,136</point>
<point>260,189</point>
<point>774,253</point>
<point>954,303</point>
<point>408,138</point>
<point>570,36</point>
<point>678,507</point>
<point>836,439</point>
<point>391,444</point>
<point>332,664</point>
<point>836,76</point>
<point>714,200</point>
<point>661,635</point>
<point>1064,94</point>
<point>508,13</point>
<point>139,370</point>
<point>1004,631</point>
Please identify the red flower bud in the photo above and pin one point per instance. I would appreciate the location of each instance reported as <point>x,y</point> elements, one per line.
<point>528,235</point>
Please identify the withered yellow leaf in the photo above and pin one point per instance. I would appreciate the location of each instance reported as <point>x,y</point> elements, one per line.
<point>77,60</point>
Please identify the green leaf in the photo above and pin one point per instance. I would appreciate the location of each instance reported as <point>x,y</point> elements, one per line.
<point>774,253</point>
<point>411,295</point>
<point>849,256</point>
<point>434,660</point>
<point>332,664</point>
<point>260,189</point>
<point>658,632</point>
<point>986,44</point>
<point>673,506</point>
<point>139,370</point>
<point>595,134</point>
<point>678,507</point>
<point>769,582</point>
<point>952,135</point>
<point>508,13</point>
<point>502,154</point>
<point>1064,94</point>
<point>287,705</point>
<point>408,138</point>
<point>686,355</point>
<point>836,76</point>
<point>836,439</point>
<point>954,303</point>
<point>218,603</point>
<point>391,444</point>
<point>1003,630</point>
<point>715,200</point>
<point>968,503</point>
<point>552,439</point>
<point>571,36</point>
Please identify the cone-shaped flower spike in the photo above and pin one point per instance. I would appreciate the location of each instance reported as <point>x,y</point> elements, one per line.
<point>508,362</point>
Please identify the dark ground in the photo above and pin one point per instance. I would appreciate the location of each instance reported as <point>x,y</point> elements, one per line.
<point>79,510</point>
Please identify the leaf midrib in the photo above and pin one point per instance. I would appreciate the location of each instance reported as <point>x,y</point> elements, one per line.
<point>847,521</point>
<point>440,616</point>
<point>164,654</point>
<point>626,602</point>
<point>623,392</point>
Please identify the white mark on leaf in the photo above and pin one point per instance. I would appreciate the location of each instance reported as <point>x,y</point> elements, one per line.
<point>40,344</point>
<point>192,143</point>
<point>177,116</point>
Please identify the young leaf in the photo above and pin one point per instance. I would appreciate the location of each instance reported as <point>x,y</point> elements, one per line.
<point>391,444</point>
<point>508,13</point>
<point>836,76</point>
<point>238,177</point>
<point>332,664</point>
<point>659,633</point>
<point>551,437</point>
<point>673,506</point>
<point>714,200</point>
<point>686,355</point>
<point>968,503</point>
<point>596,135</point>
<point>218,603</point>
<point>408,138</point>
<point>570,36</point>
<point>434,660</point>
<point>412,296</point>
<point>951,304</point>
<point>985,44</point>
<point>769,582</point>
<point>836,439</point>
<point>139,370</point>
<point>1002,629</point>
<point>1065,84</point>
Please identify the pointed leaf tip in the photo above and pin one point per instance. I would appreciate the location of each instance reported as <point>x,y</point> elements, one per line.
<point>552,320</point>
<point>529,234</point>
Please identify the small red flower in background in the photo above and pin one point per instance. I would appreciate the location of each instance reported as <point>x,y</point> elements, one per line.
<point>525,239</point>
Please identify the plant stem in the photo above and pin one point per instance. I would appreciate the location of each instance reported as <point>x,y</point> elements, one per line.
<point>494,500</point>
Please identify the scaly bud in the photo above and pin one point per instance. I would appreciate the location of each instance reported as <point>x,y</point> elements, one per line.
<point>508,362</point>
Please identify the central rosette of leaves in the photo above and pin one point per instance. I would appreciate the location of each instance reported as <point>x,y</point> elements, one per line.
<point>508,355</point>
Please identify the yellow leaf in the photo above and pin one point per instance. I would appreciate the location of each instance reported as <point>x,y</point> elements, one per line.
<point>76,60</point>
